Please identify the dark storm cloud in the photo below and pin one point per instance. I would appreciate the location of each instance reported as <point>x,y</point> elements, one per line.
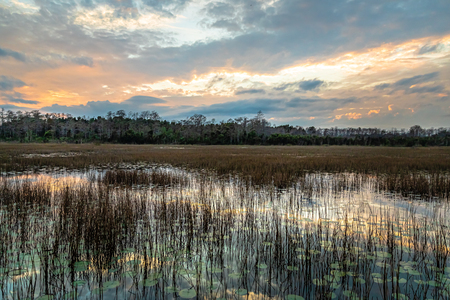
<point>250,91</point>
<point>8,83</point>
<point>13,54</point>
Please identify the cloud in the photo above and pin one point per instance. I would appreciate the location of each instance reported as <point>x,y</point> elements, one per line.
<point>13,54</point>
<point>309,85</point>
<point>219,10</point>
<point>15,97</point>
<point>428,48</point>
<point>8,83</point>
<point>409,84</point>
<point>100,108</point>
<point>139,100</point>
<point>23,101</point>
<point>295,107</point>
<point>415,80</point>
<point>382,86</point>
<point>303,85</point>
<point>350,43</point>
<point>249,91</point>
<point>83,61</point>
<point>12,107</point>
<point>272,35</point>
<point>349,116</point>
<point>226,24</point>
<point>239,108</point>
<point>425,89</point>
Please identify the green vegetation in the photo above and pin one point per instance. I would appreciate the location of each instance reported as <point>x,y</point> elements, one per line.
<point>148,128</point>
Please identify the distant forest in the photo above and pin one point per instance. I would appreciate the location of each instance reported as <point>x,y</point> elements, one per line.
<point>147,127</point>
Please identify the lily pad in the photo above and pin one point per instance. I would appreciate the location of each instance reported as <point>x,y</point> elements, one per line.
<point>79,283</point>
<point>241,292</point>
<point>262,266</point>
<point>111,284</point>
<point>45,297</point>
<point>294,297</point>
<point>172,289</point>
<point>235,275</point>
<point>149,282</point>
<point>187,294</point>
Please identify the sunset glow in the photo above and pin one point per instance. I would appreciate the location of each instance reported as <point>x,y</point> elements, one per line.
<point>208,57</point>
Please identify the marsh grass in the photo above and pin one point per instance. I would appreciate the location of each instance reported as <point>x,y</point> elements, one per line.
<point>280,166</point>
<point>158,177</point>
<point>215,238</point>
<point>284,223</point>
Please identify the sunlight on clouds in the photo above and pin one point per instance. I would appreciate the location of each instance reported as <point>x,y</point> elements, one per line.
<point>187,29</point>
<point>349,116</point>
<point>23,6</point>
<point>105,18</point>
<point>373,111</point>
<point>335,70</point>
<point>63,94</point>
<point>218,84</point>
<point>60,96</point>
<point>184,28</point>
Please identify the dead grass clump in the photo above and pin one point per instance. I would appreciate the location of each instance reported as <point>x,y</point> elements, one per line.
<point>138,177</point>
<point>420,184</point>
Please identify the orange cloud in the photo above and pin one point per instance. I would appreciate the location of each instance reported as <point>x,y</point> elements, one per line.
<point>390,106</point>
<point>349,116</point>
<point>373,111</point>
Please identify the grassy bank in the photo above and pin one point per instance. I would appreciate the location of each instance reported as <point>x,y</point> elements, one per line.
<point>280,166</point>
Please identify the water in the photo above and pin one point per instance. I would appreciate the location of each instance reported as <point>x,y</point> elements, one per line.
<point>329,236</point>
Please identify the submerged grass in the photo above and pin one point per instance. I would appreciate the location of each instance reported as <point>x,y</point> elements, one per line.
<point>215,239</point>
<point>258,222</point>
<point>158,177</point>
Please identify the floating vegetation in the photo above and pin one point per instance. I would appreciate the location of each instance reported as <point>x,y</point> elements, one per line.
<point>130,234</point>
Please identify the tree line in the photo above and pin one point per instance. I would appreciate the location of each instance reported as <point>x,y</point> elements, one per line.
<point>147,127</point>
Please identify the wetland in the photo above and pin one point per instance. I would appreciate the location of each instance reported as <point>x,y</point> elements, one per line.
<point>230,222</point>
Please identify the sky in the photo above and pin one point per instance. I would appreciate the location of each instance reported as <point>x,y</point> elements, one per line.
<point>325,63</point>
